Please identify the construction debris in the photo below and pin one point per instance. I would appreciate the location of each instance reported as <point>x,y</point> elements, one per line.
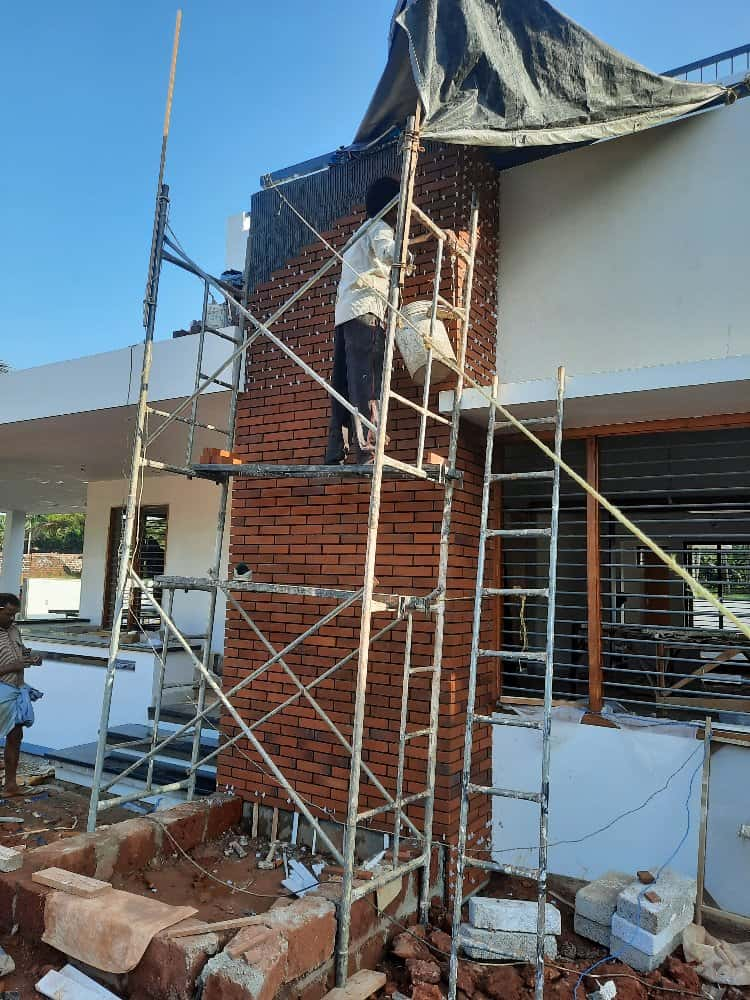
<point>607,991</point>
<point>7,965</point>
<point>72,984</point>
<point>718,961</point>
<point>301,880</point>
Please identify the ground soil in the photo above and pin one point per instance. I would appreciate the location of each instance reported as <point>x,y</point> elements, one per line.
<point>675,980</point>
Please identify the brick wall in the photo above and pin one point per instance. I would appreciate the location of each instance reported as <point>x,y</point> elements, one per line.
<point>306,532</point>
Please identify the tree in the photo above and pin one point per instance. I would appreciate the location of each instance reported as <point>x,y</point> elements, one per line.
<point>55,532</point>
<point>4,368</point>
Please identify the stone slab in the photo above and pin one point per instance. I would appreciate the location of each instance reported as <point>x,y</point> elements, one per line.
<point>676,901</point>
<point>71,882</point>
<point>639,949</point>
<point>601,933</point>
<point>497,945</point>
<point>597,901</point>
<point>519,915</point>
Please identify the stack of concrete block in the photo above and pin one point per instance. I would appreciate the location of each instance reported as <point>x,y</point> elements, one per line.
<point>596,904</point>
<point>506,929</point>
<point>615,912</point>
<point>645,932</point>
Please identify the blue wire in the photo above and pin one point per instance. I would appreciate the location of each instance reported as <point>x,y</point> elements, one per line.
<point>672,856</point>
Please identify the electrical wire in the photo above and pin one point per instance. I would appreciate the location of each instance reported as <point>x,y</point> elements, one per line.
<point>659,872</point>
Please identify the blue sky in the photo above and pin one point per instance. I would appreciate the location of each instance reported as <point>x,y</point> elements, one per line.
<point>259,86</point>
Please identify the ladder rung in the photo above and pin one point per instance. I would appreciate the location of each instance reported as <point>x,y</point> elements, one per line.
<point>528,422</point>
<point>500,477</point>
<point>519,533</point>
<point>515,654</point>
<point>422,670</point>
<point>417,733</point>
<point>505,793</point>
<point>224,336</point>
<point>508,720</point>
<point>409,800</point>
<point>495,866</point>
<point>515,592</point>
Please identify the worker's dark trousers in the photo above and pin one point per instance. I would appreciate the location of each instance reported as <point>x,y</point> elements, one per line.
<point>358,351</point>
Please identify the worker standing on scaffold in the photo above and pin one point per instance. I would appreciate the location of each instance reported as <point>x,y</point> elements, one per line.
<point>359,339</point>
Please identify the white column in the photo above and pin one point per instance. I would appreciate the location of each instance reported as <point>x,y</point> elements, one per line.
<point>15,529</point>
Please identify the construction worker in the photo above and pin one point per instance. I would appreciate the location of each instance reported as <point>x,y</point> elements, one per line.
<point>15,696</point>
<point>359,338</point>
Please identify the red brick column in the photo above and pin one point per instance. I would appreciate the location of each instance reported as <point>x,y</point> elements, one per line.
<point>306,532</point>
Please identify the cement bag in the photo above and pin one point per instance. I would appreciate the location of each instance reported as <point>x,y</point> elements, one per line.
<point>718,961</point>
<point>409,333</point>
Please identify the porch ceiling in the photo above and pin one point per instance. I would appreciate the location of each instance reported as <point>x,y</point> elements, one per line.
<point>664,392</point>
<point>46,464</point>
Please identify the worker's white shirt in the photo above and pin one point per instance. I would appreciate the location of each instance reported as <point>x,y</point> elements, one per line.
<point>365,275</point>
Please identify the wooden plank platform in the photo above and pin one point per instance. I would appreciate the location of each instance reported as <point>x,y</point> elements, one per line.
<point>359,987</point>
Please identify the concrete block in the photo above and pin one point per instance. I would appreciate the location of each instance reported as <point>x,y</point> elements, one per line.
<point>677,900</point>
<point>597,901</point>
<point>10,860</point>
<point>258,976</point>
<point>511,915</point>
<point>590,929</point>
<point>641,950</point>
<point>495,945</point>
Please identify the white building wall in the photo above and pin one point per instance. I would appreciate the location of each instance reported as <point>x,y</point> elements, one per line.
<point>623,799</point>
<point>629,253</point>
<point>43,596</point>
<point>191,536</point>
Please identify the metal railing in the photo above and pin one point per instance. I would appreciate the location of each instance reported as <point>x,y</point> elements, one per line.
<point>714,68</point>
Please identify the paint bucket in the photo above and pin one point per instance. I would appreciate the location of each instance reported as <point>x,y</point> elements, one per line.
<point>412,347</point>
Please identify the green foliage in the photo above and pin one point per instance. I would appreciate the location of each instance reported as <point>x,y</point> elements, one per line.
<point>56,532</point>
<point>52,532</point>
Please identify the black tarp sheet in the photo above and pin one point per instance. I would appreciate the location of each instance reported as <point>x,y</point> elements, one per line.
<point>516,73</point>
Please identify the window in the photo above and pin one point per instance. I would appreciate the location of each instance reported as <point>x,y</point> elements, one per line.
<point>724,569</point>
<point>149,562</point>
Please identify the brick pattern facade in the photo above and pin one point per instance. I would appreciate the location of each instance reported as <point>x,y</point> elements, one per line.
<point>307,532</point>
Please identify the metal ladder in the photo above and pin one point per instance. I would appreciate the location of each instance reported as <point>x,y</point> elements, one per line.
<point>545,656</point>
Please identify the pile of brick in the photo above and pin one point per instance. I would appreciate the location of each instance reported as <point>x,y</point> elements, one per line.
<point>507,929</point>
<point>639,920</point>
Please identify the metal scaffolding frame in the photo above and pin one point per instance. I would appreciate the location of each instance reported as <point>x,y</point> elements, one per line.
<point>543,657</point>
<point>400,608</point>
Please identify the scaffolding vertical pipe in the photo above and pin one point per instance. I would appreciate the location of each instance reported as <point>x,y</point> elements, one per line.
<point>159,692</point>
<point>442,580</point>
<point>215,572</point>
<point>703,828</point>
<point>409,166</point>
<point>548,679</point>
<point>131,508</point>
<point>476,630</point>
<point>405,684</point>
<point>136,468</point>
<point>428,367</point>
<point>198,373</point>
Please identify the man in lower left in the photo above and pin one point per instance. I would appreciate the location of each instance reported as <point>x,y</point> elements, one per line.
<point>15,696</point>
